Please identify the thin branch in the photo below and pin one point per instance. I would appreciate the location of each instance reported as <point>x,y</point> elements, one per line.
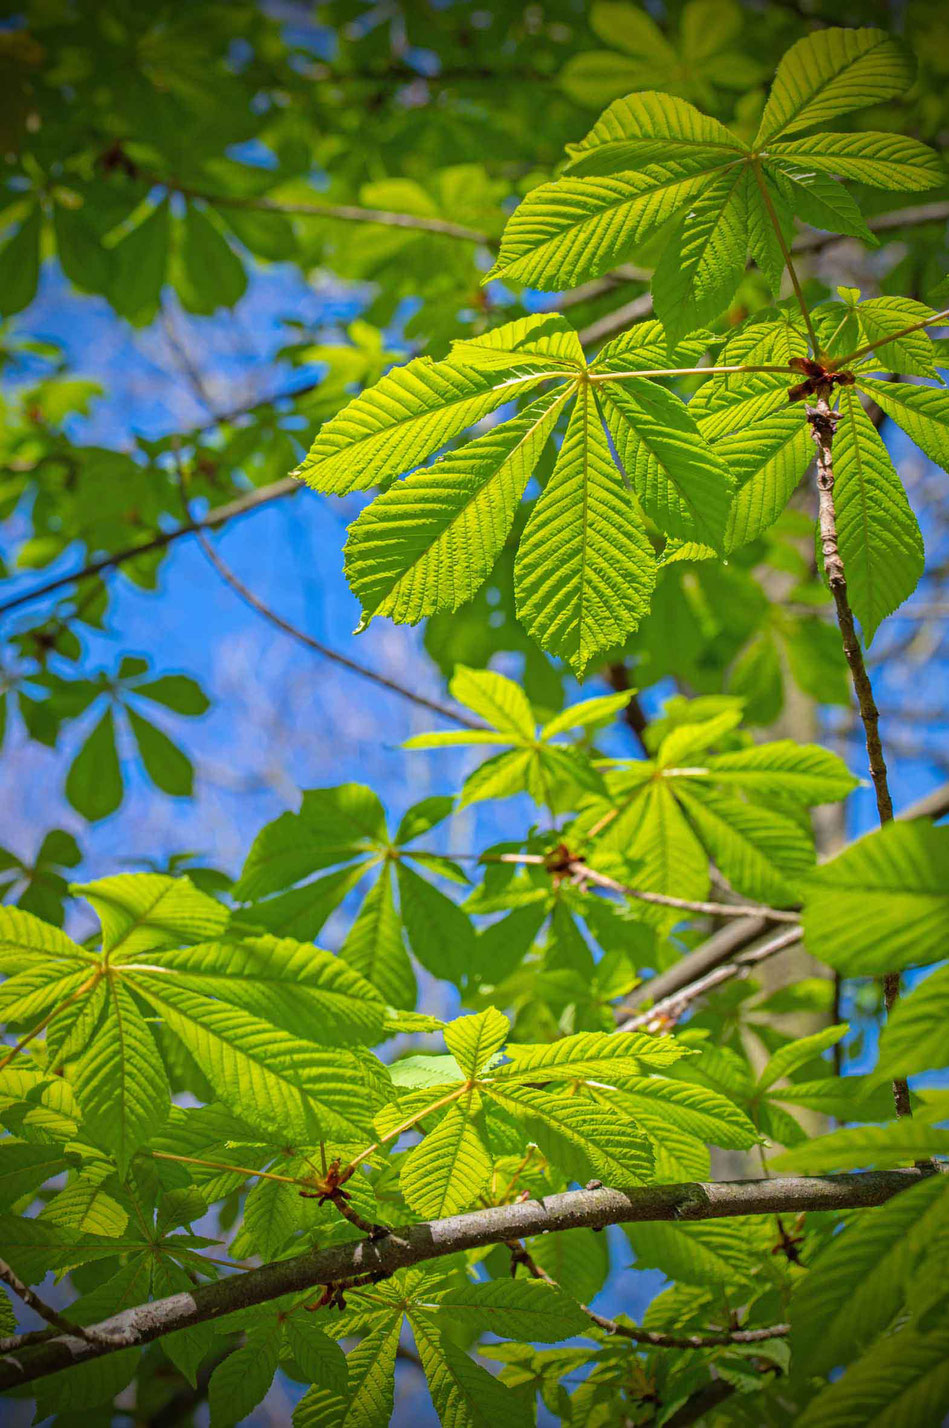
<point>668,1010</point>
<point>44,1310</point>
<point>582,872</point>
<point>429,1240</point>
<point>633,714</point>
<point>823,423</point>
<point>652,1337</point>
<point>216,517</point>
<point>383,681</point>
<point>343,212</point>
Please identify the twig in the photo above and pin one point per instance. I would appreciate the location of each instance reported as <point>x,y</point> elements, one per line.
<point>652,1337</point>
<point>582,872</point>
<point>823,423</point>
<point>44,1310</point>
<point>383,681</point>
<point>668,1010</point>
<point>725,945</point>
<point>418,1243</point>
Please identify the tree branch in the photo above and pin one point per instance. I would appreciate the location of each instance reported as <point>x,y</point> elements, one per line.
<point>653,1338</point>
<point>419,1243</point>
<point>823,423</point>
<point>381,680</point>
<point>40,1307</point>
<point>725,945</point>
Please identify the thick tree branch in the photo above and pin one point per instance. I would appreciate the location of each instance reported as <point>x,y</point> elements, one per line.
<point>417,1244</point>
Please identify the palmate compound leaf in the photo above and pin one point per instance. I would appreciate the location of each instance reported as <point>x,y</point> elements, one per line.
<point>585,568</point>
<point>367,1400</point>
<point>651,160</point>
<point>429,542</point>
<point>879,537</point>
<point>883,903</point>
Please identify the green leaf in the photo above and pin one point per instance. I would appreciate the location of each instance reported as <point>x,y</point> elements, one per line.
<point>449,1167</point>
<point>24,1168</point>
<point>697,1110</point>
<point>263,1073</point>
<point>821,201</point>
<point>677,476</point>
<point>139,262</point>
<point>578,1257</point>
<point>333,825</point>
<point>439,931</point>
<point>302,911</point>
<point>913,353</point>
<point>166,765</point>
<point>855,1287</point>
<point>473,1040</point>
<point>429,542</point>
<point>315,1354</point>
<point>720,1252</point>
<point>297,986</point>
<point>584,1140</point>
<point>565,232</point>
<point>177,692</point>
<point>903,1381</point>
<point>241,1380</point>
<point>374,947</point>
<point>883,903</point>
<point>767,460</point>
<point>883,1146</point>
<point>368,1400</point>
<point>802,771</point>
<point>798,1053</point>
<point>120,1080</point>
<point>20,265</point>
<point>914,1038</point>
<point>650,127</point>
<point>211,275</point>
<point>499,701</point>
<point>142,912</point>
<point>589,1055</point>
<point>587,713</point>
<point>94,781</point>
<point>524,1309</point>
<point>922,412</point>
<point>879,537</point>
<point>464,1394</point>
<point>585,568</point>
<point>703,262</point>
<point>28,941</point>
<point>544,337</point>
<point>891,161</point>
<point>831,72</point>
<point>406,416</point>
